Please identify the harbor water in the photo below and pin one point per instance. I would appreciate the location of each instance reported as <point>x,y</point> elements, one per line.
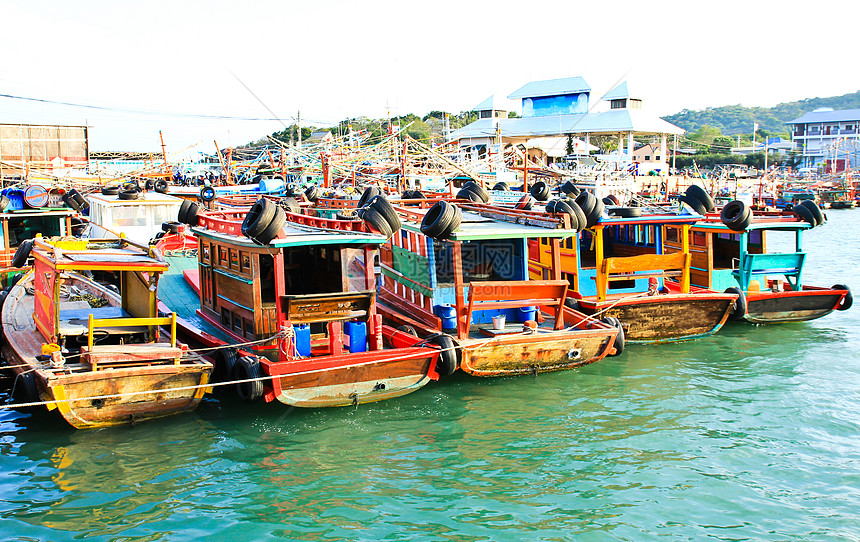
<point>751,434</point>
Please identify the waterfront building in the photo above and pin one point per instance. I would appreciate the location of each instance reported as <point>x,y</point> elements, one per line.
<point>825,136</point>
<point>563,108</point>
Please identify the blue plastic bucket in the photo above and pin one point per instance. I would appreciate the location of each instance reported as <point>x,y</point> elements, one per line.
<point>526,313</point>
<point>448,314</point>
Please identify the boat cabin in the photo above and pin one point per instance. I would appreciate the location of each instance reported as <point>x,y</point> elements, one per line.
<point>19,225</point>
<point>139,219</point>
<point>314,282</point>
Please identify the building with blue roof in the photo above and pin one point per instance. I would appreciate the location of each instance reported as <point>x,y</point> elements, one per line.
<point>561,107</point>
<point>825,135</point>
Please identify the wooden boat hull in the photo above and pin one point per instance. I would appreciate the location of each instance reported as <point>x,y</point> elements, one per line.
<point>789,306</point>
<point>665,318</point>
<point>351,379</point>
<point>520,354</point>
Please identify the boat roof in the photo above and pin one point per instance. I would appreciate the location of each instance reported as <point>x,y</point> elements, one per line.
<point>39,212</point>
<point>84,254</point>
<point>681,217</point>
<point>295,235</point>
<point>783,222</point>
<point>476,227</point>
<point>143,198</point>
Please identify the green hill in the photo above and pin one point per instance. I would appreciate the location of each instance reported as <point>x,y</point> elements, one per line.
<point>736,119</point>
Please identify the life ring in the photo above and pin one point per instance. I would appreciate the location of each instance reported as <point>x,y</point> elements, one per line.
<point>207,194</point>
<point>247,368</point>
<point>739,308</point>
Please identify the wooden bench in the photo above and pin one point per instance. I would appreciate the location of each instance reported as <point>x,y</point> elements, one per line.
<point>644,266</point>
<point>310,308</point>
<point>788,264</point>
<point>492,295</point>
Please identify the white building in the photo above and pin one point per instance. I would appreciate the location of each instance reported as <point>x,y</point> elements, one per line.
<point>825,135</point>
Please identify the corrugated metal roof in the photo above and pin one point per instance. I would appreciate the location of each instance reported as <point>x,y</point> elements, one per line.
<point>607,122</point>
<point>618,92</point>
<point>552,87</point>
<point>827,116</point>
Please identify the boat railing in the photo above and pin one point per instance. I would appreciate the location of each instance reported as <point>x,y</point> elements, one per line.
<point>789,264</point>
<point>644,266</point>
<point>495,295</point>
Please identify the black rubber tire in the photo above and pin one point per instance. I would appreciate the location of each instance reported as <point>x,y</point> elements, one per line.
<point>620,340</point>
<point>183,210</point>
<point>570,208</point>
<point>596,213</point>
<point>68,200</point>
<point>385,209</point>
<point>846,301</point>
<point>408,329</point>
<point>246,368</point>
<point>702,195</point>
<point>369,193</point>
<point>273,228</point>
<point>608,201</point>
<point>312,192</point>
<point>501,187</point>
<point>477,189</point>
<point>739,309</point>
<point>572,303</point>
<point>207,194</point>
<point>805,214</point>
<point>258,218</point>
<point>191,215</point>
<point>581,219</point>
<point>127,195</point>
<point>411,194</point>
<point>376,221</point>
<point>438,219</point>
<point>614,198</point>
<point>815,210</point>
<point>110,190</point>
<point>160,186</point>
<point>22,253</point>
<point>539,191</point>
<point>693,203</point>
<point>224,362</point>
<point>626,212</point>
<point>130,185</point>
<point>525,203</point>
<point>15,279</point>
<point>24,389</point>
<point>343,215</point>
<point>468,194</point>
<point>447,361</point>
<point>171,227</point>
<point>456,220</point>
<point>586,202</point>
<point>291,205</point>
<point>149,184</point>
<point>570,189</point>
<point>736,215</point>
<point>3,294</point>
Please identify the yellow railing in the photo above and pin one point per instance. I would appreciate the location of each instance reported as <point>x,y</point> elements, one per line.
<point>121,322</point>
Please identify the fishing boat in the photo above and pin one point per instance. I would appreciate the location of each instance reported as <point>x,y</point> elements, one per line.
<point>617,266</point>
<point>83,335</point>
<point>457,272</point>
<point>290,308</point>
<point>735,257</point>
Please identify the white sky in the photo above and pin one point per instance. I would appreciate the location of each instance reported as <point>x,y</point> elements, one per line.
<point>331,58</point>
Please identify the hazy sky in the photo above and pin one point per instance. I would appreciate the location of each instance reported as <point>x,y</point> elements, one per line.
<point>333,59</point>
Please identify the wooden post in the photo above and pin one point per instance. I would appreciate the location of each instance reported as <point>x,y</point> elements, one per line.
<point>457,257</point>
<point>600,278</point>
<point>685,248</point>
<point>555,255</point>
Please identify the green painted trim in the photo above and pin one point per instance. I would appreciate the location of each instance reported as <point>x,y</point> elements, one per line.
<point>421,289</point>
<point>413,266</point>
<point>234,277</point>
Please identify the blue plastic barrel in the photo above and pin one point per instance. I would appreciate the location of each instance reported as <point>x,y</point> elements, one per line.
<point>447,314</point>
<point>356,334</point>
<point>271,185</point>
<point>16,199</point>
<point>303,339</point>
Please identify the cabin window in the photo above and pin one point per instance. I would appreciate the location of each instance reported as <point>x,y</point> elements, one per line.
<point>225,317</point>
<point>699,239</point>
<point>249,329</point>
<point>267,278</point>
<point>568,243</point>
<point>222,256</point>
<point>237,323</point>
<point>234,259</point>
<point>672,234</point>
<point>129,216</point>
<point>246,262</point>
<point>205,251</point>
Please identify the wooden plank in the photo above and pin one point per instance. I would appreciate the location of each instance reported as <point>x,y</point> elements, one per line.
<point>645,262</point>
<point>327,307</point>
<point>396,276</point>
<point>513,290</point>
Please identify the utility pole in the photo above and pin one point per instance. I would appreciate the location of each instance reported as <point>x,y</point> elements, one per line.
<point>299,129</point>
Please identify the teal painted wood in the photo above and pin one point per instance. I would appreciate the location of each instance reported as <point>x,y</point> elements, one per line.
<point>789,264</point>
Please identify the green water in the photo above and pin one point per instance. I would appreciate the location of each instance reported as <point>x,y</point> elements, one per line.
<point>752,434</point>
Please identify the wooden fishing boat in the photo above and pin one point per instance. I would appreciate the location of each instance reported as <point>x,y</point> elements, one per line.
<point>82,333</point>
<point>617,266</point>
<point>769,283</point>
<point>305,300</point>
<point>464,282</point>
